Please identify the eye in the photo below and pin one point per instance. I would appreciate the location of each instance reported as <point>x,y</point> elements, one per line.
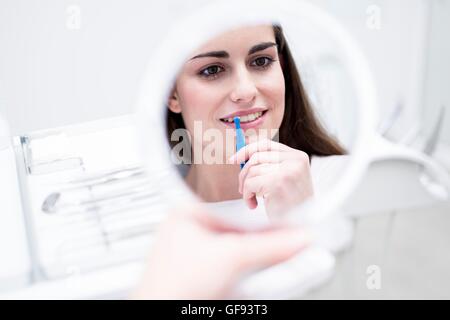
<point>262,62</point>
<point>211,71</point>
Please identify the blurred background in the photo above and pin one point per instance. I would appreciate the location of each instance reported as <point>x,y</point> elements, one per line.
<point>65,62</point>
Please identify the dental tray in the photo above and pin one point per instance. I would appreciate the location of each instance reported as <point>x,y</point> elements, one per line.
<point>88,201</point>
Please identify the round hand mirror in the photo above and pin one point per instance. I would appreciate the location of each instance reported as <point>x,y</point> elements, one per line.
<point>262,112</point>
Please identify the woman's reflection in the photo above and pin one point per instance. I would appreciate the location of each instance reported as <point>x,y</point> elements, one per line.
<point>247,72</point>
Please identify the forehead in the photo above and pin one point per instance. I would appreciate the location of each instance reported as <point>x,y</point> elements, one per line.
<point>239,39</point>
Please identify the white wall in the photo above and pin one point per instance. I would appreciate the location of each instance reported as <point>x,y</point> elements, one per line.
<point>51,75</point>
<point>395,50</point>
<point>437,79</point>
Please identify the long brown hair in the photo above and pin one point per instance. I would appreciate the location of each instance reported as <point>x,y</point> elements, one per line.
<point>300,129</point>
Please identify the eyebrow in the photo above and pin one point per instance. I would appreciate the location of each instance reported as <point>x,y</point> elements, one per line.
<point>224,54</point>
<point>260,47</point>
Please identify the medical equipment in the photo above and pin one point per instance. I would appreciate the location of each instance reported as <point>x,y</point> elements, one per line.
<point>78,220</point>
<point>240,139</point>
<point>130,184</point>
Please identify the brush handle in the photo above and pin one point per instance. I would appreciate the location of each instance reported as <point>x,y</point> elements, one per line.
<point>240,138</point>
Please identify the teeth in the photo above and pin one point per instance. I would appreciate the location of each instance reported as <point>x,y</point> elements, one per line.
<point>246,118</point>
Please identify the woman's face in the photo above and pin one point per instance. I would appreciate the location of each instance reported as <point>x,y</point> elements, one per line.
<point>235,74</point>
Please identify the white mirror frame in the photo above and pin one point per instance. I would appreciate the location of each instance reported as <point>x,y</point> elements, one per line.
<point>208,21</point>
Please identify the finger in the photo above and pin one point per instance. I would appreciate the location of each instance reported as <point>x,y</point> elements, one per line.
<point>262,145</point>
<point>253,187</point>
<point>262,158</point>
<point>254,171</point>
<point>252,202</point>
<point>263,249</point>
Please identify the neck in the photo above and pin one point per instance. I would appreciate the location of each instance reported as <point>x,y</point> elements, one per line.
<point>216,182</point>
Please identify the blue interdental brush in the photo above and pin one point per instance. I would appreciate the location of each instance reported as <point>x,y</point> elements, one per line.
<point>240,138</point>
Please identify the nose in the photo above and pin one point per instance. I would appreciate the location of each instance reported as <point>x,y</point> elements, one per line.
<point>244,89</point>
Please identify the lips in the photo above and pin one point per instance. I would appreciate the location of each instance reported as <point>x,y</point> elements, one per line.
<point>251,118</point>
<point>245,116</point>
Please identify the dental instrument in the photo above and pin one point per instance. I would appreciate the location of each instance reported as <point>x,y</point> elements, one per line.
<point>240,139</point>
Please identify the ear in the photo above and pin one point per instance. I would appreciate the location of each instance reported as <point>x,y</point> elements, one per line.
<point>174,102</point>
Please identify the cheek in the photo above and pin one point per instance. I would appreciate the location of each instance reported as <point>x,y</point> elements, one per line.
<point>274,92</point>
<point>198,102</point>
